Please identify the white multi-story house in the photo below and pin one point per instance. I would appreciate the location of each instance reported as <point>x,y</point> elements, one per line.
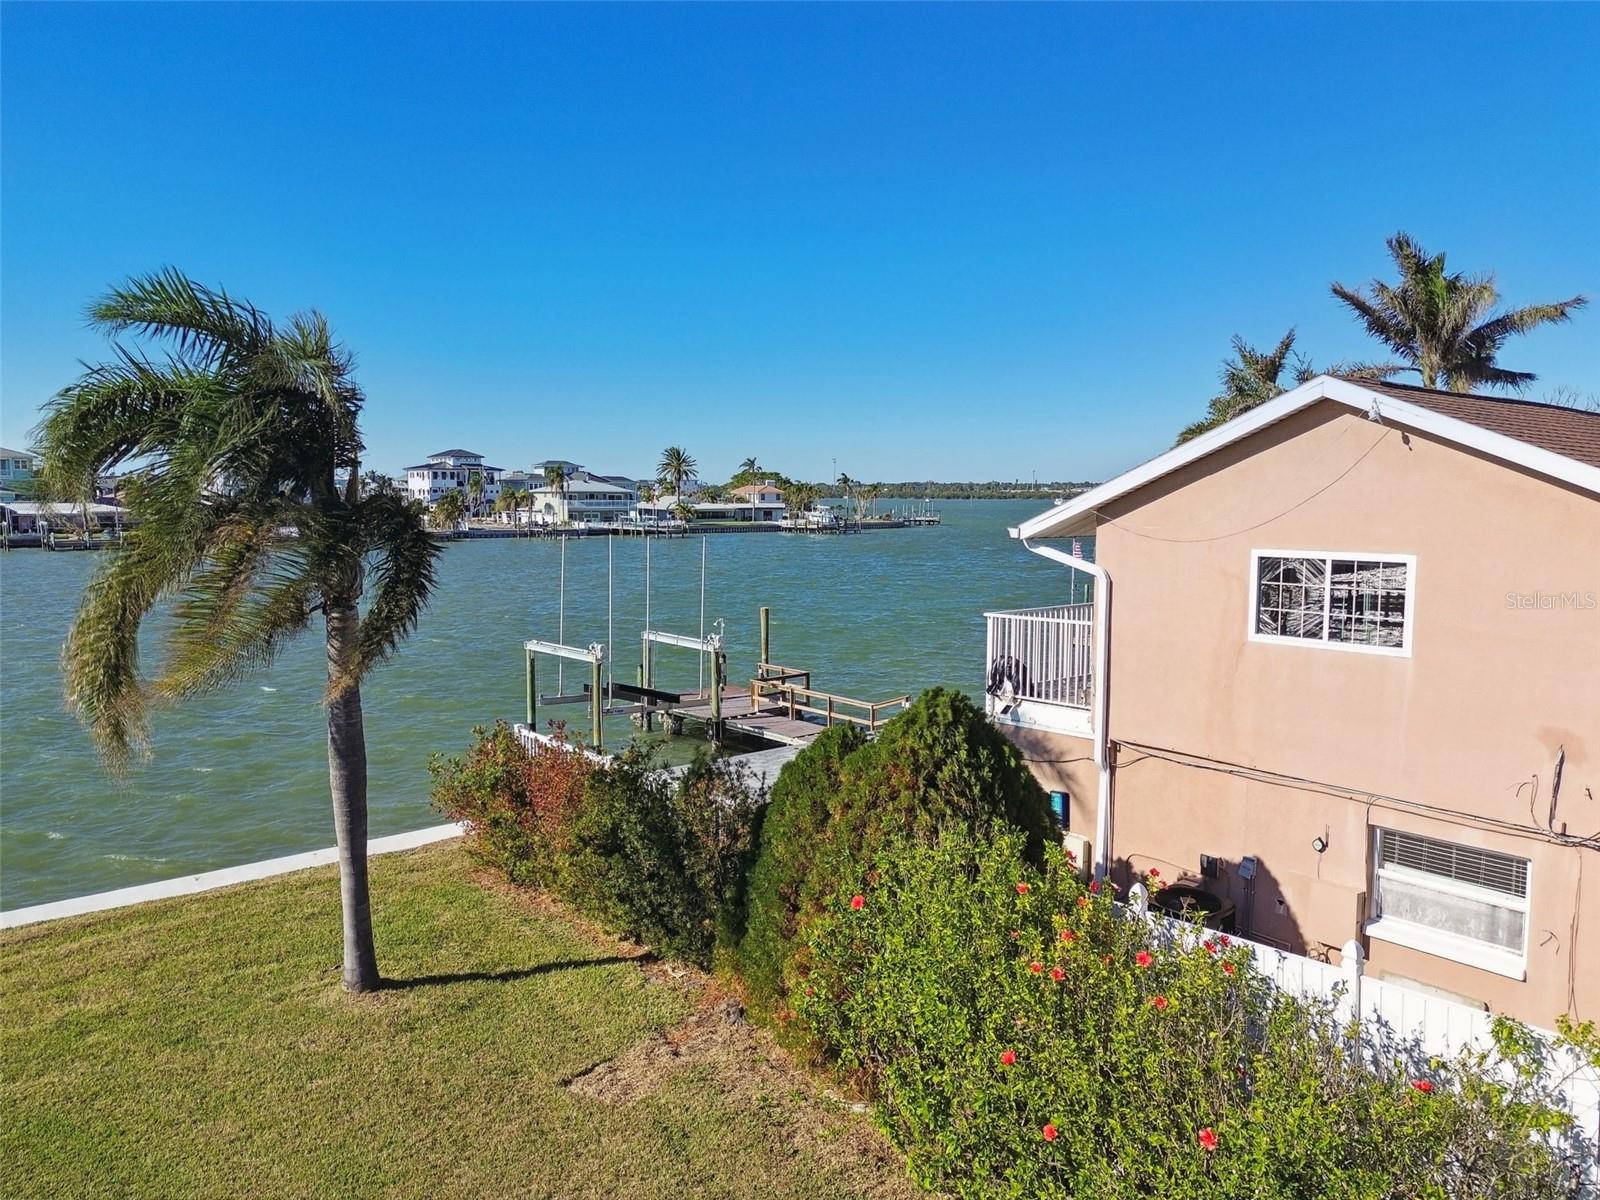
<point>452,471</point>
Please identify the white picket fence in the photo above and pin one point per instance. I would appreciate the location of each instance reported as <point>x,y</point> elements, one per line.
<point>1394,1021</point>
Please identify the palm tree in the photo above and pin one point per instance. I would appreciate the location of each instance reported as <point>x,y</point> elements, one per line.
<point>1444,325</point>
<point>749,466</point>
<point>1252,377</point>
<point>273,412</point>
<point>475,492</point>
<point>675,466</point>
<point>376,482</point>
<point>448,510</point>
<point>555,478</point>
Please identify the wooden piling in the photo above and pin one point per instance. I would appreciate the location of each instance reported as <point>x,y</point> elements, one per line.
<point>766,634</point>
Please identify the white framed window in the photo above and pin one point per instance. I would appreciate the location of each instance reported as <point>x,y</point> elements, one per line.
<point>1340,600</point>
<point>1457,902</point>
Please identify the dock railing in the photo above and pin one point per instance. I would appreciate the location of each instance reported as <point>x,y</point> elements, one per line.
<point>1042,654</point>
<point>802,700</point>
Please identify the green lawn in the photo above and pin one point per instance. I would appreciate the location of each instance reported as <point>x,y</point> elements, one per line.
<point>202,1046</point>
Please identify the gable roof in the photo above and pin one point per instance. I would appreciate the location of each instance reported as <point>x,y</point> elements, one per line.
<point>458,453</point>
<point>1568,431</point>
<point>1560,443</point>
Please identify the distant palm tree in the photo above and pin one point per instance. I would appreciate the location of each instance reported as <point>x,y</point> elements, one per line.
<point>749,466</point>
<point>675,466</point>
<point>376,483</point>
<point>555,478</point>
<point>683,510</point>
<point>273,413</point>
<point>448,509</point>
<point>1443,325</point>
<point>475,492</point>
<point>1252,377</point>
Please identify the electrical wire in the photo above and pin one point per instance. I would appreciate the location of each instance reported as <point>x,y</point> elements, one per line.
<point>1153,537</point>
<point>1359,795</point>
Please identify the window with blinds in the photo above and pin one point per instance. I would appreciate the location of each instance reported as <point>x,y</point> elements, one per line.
<point>1462,891</point>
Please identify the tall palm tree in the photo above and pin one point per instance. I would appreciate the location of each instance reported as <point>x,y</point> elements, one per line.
<point>1252,377</point>
<point>555,478</point>
<point>1443,324</point>
<point>749,466</point>
<point>236,437</point>
<point>474,492</point>
<point>675,466</point>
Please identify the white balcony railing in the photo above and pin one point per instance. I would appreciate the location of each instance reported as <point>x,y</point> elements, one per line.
<point>1043,654</point>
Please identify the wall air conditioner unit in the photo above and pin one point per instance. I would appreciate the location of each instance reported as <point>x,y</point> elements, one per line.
<point>1082,851</point>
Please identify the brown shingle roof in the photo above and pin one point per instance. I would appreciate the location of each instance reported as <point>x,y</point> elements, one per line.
<point>1570,432</point>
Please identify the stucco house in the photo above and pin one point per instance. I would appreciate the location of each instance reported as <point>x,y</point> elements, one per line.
<point>1340,668</point>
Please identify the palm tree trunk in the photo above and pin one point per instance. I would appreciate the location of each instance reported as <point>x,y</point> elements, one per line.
<point>347,781</point>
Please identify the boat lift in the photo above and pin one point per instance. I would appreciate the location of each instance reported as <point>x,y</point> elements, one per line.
<point>594,691</point>
<point>709,647</point>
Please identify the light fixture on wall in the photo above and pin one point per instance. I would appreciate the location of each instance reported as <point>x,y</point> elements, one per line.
<point>1319,844</point>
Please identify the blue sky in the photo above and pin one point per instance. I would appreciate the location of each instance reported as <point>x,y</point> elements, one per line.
<point>925,242</point>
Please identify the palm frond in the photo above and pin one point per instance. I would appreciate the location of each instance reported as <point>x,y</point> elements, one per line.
<point>404,570</point>
<point>204,323</point>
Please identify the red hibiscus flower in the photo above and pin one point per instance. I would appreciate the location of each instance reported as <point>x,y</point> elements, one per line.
<point>1208,1139</point>
<point>1057,974</point>
<point>1210,946</point>
<point>1095,887</point>
<point>1036,967</point>
<point>1072,858</point>
<point>1422,1085</point>
<point>857,901</point>
<point>1022,889</point>
<point>1154,874</point>
<point>1159,1001</point>
<point>1068,936</point>
<point>1143,958</point>
<point>1007,1057</point>
<point>1227,968</point>
<point>1048,1132</point>
<point>1225,940</point>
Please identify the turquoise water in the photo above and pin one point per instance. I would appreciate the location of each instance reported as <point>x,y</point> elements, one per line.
<point>242,775</point>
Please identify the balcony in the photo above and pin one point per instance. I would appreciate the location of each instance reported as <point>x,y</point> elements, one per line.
<point>1040,666</point>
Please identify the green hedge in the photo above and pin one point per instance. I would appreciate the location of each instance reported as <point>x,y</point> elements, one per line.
<point>939,764</point>
<point>656,857</point>
<point>1023,1038</point>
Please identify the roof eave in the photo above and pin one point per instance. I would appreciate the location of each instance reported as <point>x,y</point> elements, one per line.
<point>1069,518</point>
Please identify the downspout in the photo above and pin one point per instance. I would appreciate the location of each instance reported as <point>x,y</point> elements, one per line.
<point>1102,708</point>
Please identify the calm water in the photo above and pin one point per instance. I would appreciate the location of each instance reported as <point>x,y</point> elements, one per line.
<point>242,775</point>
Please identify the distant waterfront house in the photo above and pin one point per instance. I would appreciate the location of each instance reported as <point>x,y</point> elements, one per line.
<point>452,471</point>
<point>1341,671</point>
<point>764,499</point>
<point>17,469</point>
<point>664,507</point>
<point>582,496</point>
<point>33,518</point>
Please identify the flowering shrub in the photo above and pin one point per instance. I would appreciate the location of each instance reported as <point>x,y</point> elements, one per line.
<point>940,763</point>
<point>518,806</point>
<point>1009,1059</point>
